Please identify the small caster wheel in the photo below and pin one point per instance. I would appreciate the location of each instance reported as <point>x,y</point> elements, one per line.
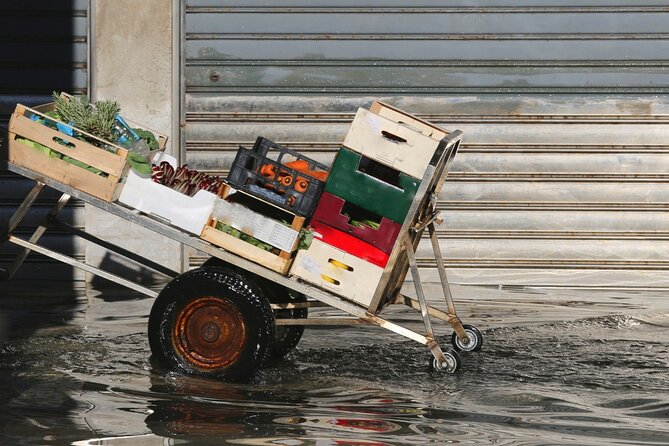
<point>451,365</point>
<point>475,340</point>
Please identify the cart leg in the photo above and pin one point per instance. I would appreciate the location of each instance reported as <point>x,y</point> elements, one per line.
<point>18,261</point>
<point>24,207</point>
<point>411,257</point>
<point>454,320</point>
<point>14,221</point>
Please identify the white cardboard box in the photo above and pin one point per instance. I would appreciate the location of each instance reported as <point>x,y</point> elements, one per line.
<point>400,145</point>
<point>188,213</point>
<point>337,271</point>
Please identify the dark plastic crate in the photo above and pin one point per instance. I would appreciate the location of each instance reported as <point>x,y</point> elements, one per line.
<point>246,175</point>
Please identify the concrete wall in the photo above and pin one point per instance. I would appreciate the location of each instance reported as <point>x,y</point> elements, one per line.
<point>132,63</point>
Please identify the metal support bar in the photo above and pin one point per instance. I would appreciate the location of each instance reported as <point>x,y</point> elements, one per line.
<point>434,312</point>
<point>454,320</point>
<point>34,238</point>
<point>84,266</point>
<point>321,321</point>
<point>117,249</point>
<point>383,323</point>
<point>298,305</point>
<point>408,248</point>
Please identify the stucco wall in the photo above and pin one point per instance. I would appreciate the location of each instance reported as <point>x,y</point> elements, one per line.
<point>131,62</point>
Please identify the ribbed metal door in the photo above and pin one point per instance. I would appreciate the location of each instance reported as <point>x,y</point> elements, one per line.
<point>562,174</point>
<point>44,49</point>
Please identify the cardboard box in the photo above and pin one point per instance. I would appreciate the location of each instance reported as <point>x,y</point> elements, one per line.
<point>112,164</point>
<point>337,213</point>
<point>340,272</point>
<point>180,210</point>
<point>370,185</point>
<point>403,143</point>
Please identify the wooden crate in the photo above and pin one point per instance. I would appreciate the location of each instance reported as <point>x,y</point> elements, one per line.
<point>337,271</point>
<point>397,115</point>
<point>113,165</point>
<point>399,142</point>
<point>276,262</point>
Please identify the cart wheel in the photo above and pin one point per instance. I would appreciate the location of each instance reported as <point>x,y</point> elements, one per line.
<point>475,340</point>
<point>287,336</point>
<point>452,364</point>
<point>211,322</point>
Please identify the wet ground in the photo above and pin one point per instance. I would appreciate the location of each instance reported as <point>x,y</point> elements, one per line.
<point>558,366</point>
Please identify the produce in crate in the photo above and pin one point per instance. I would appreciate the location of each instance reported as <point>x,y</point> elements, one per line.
<point>278,175</point>
<point>74,114</point>
<point>185,180</point>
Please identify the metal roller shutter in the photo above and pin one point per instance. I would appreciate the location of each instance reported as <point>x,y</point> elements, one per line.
<point>561,179</point>
<point>44,49</point>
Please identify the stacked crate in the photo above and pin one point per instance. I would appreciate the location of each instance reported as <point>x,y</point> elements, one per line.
<point>271,203</point>
<point>368,194</point>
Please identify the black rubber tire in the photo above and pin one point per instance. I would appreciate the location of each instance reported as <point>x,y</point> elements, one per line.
<point>474,334</point>
<point>287,336</point>
<point>209,293</point>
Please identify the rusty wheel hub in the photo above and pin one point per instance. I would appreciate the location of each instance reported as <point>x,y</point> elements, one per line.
<point>209,333</point>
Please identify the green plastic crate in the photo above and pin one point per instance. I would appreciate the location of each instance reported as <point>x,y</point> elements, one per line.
<point>371,185</point>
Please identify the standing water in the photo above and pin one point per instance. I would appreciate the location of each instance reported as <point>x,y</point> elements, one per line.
<point>562,367</point>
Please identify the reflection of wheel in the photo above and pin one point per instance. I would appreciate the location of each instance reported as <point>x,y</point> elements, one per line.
<point>287,336</point>
<point>211,322</point>
<point>451,365</point>
<point>475,340</point>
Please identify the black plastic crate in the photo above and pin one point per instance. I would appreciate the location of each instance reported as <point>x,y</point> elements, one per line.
<point>262,172</point>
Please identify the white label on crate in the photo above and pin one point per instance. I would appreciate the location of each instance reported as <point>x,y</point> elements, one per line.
<point>310,265</point>
<point>256,225</point>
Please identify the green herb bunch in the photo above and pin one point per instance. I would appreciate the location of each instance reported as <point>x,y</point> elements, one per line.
<point>97,119</point>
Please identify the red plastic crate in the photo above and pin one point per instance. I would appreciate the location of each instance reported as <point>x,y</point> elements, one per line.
<point>348,243</point>
<point>331,211</point>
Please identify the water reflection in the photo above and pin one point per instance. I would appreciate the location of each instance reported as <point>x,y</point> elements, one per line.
<point>595,381</point>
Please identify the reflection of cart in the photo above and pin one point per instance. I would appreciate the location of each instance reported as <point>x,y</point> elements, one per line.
<point>229,316</point>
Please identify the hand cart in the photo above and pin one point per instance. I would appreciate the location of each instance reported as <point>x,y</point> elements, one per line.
<point>228,317</point>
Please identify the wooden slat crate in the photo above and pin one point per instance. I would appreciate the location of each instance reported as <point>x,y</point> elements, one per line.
<point>276,262</point>
<point>114,166</point>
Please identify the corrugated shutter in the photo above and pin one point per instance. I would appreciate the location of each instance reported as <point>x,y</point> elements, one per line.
<point>44,49</point>
<point>562,174</point>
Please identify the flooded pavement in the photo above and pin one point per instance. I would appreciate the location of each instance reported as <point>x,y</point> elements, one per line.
<point>558,366</point>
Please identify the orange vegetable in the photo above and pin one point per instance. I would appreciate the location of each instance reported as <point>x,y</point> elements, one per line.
<point>298,165</point>
<point>318,174</point>
<point>268,170</point>
<point>285,178</point>
<point>301,185</point>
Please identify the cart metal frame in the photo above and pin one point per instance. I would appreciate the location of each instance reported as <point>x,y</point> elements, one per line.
<point>422,215</point>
